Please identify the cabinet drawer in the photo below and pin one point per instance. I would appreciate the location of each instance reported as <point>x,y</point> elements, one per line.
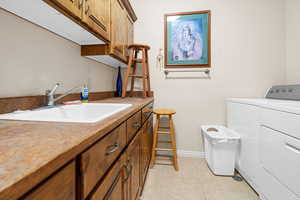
<point>112,185</point>
<point>133,125</point>
<point>60,186</point>
<point>96,160</point>
<point>146,112</point>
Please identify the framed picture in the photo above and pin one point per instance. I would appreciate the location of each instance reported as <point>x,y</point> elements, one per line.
<point>187,40</point>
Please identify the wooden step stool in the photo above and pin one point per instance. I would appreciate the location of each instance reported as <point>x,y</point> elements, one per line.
<point>132,65</point>
<point>171,132</point>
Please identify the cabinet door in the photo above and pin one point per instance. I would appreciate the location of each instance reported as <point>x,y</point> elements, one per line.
<point>133,154</point>
<point>146,146</point>
<point>97,160</point>
<point>116,191</point>
<point>113,185</point>
<point>130,34</point>
<point>118,29</point>
<point>73,7</point>
<point>61,186</point>
<point>97,15</point>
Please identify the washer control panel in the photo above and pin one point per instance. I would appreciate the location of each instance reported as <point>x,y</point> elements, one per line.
<point>286,92</point>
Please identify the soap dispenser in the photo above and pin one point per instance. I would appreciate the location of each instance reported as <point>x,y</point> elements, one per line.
<point>85,94</point>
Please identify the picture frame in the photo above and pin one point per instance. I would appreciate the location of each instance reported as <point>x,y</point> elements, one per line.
<point>187,39</point>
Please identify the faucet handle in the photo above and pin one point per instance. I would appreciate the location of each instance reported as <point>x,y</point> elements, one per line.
<point>52,91</point>
<point>47,92</point>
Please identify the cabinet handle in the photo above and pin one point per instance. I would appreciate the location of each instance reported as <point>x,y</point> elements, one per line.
<point>136,125</point>
<point>128,171</point>
<point>111,149</point>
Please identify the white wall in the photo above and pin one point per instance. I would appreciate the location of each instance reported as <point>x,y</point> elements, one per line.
<point>292,41</point>
<point>248,56</point>
<point>33,59</point>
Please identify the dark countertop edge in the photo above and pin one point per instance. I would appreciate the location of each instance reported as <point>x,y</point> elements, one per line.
<point>24,185</point>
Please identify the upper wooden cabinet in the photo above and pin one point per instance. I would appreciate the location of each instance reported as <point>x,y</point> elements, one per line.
<point>96,14</point>
<point>121,35</point>
<point>106,25</point>
<point>118,29</point>
<point>130,33</point>
<point>73,7</point>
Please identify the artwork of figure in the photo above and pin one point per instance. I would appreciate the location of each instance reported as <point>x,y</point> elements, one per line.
<point>187,39</point>
<point>187,42</point>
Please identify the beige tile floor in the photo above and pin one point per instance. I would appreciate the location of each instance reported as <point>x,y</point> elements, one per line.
<point>194,181</point>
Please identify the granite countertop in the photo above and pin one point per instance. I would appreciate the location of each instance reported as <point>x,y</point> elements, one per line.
<point>31,151</point>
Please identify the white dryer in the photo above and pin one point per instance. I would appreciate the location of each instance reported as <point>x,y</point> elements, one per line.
<point>269,156</point>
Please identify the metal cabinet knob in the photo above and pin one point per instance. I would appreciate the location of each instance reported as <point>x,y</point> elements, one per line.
<point>111,149</point>
<point>136,125</point>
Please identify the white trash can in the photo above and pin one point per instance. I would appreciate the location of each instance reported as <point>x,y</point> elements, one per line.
<point>221,145</point>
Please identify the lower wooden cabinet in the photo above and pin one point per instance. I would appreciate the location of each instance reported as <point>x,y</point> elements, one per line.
<point>96,161</point>
<point>134,123</point>
<point>113,168</point>
<point>147,111</point>
<point>126,178</point>
<point>113,185</point>
<point>123,182</point>
<point>134,158</point>
<point>146,146</point>
<point>61,186</point>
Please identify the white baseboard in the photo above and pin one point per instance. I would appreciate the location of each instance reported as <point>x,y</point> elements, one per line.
<point>190,154</point>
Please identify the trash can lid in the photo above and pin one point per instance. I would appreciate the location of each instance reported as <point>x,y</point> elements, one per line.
<point>220,132</point>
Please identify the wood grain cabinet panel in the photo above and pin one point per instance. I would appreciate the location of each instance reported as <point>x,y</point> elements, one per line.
<point>121,32</point>
<point>134,156</point>
<point>146,146</point>
<point>96,14</point>
<point>118,29</point>
<point>61,186</point>
<point>147,111</point>
<point>134,123</point>
<point>113,185</point>
<point>98,159</point>
<point>130,34</point>
<point>73,7</point>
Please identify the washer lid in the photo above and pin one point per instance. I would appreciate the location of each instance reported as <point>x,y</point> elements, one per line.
<point>274,104</point>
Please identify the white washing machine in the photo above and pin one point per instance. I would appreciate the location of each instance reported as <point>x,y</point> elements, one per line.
<point>269,152</point>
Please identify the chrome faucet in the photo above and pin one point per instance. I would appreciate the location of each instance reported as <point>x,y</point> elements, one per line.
<point>50,94</point>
